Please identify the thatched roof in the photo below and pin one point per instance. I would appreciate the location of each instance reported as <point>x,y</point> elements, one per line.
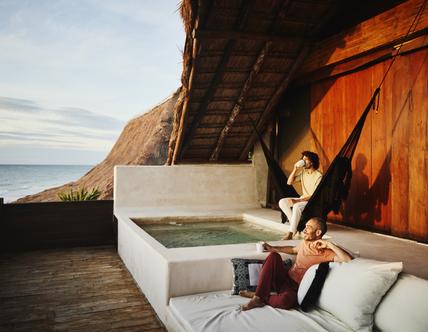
<point>239,57</point>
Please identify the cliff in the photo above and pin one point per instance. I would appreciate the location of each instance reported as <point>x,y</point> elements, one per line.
<point>143,141</point>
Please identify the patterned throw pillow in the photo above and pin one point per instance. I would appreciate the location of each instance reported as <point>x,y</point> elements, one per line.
<point>246,273</point>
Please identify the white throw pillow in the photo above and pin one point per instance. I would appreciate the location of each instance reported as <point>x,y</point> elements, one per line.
<point>353,290</point>
<point>405,306</point>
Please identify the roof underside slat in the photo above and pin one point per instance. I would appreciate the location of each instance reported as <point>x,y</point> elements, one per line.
<point>239,57</point>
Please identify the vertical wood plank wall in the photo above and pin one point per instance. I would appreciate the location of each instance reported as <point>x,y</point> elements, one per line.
<point>389,189</point>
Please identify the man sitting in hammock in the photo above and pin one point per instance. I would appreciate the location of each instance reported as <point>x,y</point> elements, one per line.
<point>309,177</point>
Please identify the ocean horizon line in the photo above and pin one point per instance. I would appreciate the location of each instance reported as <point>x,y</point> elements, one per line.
<point>47,164</point>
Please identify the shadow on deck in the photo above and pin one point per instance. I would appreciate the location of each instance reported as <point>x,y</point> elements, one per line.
<point>76,289</point>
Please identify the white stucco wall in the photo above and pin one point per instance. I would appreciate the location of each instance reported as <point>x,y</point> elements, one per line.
<point>222,186</point>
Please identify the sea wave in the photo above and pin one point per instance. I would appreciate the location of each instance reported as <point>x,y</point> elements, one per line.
<point>17,181</point>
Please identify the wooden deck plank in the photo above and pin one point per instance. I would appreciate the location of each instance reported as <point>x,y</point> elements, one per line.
<point>76,289</point>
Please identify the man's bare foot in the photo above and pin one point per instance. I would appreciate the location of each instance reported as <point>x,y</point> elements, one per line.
<point>287,236</point>
<point>255,302</point>
<point>247,293</point>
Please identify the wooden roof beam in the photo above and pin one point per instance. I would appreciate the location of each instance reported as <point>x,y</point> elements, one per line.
<point>247,86</point>
<point>238,106</point>
<point>272,54</point>
<point>247,6</point>
<point>274,100</point>
<point>304,51</point>
<point>177,145</point>
<point>365,38</point>
<point>237,35</point>
<point>211,136</point>
<point>221,125</point>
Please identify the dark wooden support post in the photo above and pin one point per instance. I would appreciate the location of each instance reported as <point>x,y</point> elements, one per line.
<point>176,146</point>
<point>178,110</point>
<point>269,187</point>
<point>185,107</point>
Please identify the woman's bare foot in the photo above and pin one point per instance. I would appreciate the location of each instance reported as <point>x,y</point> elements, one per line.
<point>287,236</point>
<point>247,293</point>
<point>255,302</point>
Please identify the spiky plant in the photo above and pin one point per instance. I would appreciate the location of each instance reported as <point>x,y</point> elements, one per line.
<point>81,194</point>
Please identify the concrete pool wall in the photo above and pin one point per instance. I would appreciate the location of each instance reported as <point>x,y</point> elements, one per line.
<point>215,191</point>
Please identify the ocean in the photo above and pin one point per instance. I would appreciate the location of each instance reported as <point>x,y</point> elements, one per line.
<point>17,181</point>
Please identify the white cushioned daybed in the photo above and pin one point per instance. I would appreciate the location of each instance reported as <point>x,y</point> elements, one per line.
<point>362,295</point>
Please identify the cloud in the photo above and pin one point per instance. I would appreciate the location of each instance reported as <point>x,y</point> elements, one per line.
<point>109,57</point>
<point>18,105</point>
<point>25,122</point>
<point>101,55</point>
<point>83,118</point>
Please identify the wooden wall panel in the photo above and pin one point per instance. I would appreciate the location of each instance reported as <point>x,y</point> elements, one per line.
<point>380,161</point>
<point>401,99</point>
<point>377,32</point>
<point>418,171</point>
<point>390,179</point>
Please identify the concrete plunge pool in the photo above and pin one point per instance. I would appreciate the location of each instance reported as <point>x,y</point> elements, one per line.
<point>201,232</point>
<point>151,201</point>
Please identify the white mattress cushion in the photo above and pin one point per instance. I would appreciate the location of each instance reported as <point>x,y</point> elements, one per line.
<point>405,306</point>
<point>220,311</point>
<point>353,290</point>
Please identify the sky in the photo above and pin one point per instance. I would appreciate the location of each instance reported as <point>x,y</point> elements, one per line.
<point>72,73</point>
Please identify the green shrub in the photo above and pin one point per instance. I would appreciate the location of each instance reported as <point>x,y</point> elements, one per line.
<point>80,195</point>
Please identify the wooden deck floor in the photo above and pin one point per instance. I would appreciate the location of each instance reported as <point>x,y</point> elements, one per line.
<point>76,289</point>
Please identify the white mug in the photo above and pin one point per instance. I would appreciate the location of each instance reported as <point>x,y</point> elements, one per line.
<point>259,247</point>
<point>300,163</point>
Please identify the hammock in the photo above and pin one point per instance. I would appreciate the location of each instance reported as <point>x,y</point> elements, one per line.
<point>334,186</point>
<point>280,179</point>
<point>335,183</point>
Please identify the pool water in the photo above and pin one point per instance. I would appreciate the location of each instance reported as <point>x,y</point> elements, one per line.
<point>196,234</point>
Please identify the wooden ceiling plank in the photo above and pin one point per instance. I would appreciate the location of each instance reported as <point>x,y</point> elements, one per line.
<point>238,106</point>
<point>247,6</point>
<point>304,51</point>
<point>247,85</point>
<point>237,35</point>
<point>273,101</point>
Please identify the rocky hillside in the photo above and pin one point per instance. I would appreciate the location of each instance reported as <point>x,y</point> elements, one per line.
<point>143,141</point>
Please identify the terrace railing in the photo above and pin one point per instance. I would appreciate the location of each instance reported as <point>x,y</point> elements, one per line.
<point>32,226</point>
